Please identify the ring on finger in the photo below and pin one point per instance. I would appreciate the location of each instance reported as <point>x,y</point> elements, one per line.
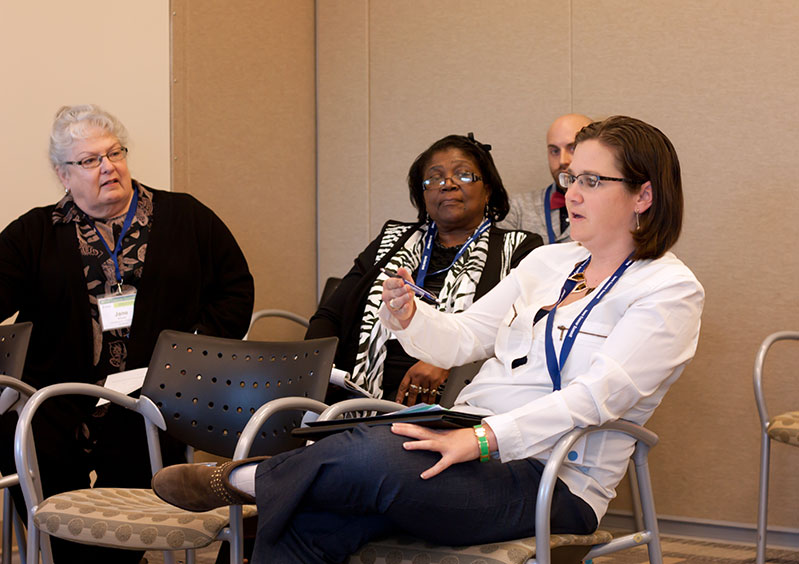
<point>414,387</point>
<point>425,390</point>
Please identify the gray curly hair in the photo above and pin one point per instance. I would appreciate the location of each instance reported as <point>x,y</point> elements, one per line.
<point>74,122</point>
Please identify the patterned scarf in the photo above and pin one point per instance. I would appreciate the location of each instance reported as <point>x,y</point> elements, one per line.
<point>110,347</point>
<point>456,295</point>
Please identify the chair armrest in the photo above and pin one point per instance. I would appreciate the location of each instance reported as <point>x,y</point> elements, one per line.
<point>645,440</point>
<point>24,446</point>
<point>259,418</point>
<point>757,376</point>
<point>359,404</point>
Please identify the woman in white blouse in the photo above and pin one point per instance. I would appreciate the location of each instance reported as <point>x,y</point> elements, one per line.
<point>578,334</point>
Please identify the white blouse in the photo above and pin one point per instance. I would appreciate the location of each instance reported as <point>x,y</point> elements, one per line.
<point>634,344</point>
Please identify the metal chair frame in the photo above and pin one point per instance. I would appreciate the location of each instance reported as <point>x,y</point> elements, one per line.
<point>765,440</point>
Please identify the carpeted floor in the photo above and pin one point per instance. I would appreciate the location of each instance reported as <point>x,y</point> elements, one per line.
<point>675,551</point>
<point>680,550</point>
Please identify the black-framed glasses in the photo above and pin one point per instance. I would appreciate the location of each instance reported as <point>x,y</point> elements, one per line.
<point>438,182</point>
<point>114,155</point>
<point>588,180</point>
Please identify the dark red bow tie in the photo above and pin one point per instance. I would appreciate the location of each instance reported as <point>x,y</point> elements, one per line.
<point>557,200</point>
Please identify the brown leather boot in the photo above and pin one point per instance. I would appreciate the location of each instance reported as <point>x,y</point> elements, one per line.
<point>200,487</point>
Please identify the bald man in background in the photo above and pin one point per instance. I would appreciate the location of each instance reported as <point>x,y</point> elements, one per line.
<point>543,211</point>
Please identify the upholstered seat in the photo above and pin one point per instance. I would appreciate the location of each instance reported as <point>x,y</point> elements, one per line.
<point>785,428</point>
<point>409,550</point>
<point>129,518</point>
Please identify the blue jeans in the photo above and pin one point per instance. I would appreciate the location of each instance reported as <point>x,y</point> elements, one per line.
<point>321,503</point>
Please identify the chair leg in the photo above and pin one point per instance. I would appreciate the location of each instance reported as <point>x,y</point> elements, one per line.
<point>7,517</point>
<point>636,496</point>
<point>648,511</point>
<point>237,535</point>
<point>762,505</point>
<point>191,556</point>
<point>19,531</point>
<point>33,544</point>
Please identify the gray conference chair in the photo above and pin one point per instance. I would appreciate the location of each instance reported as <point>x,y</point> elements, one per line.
<point>561,548</point>
<point>202,391</point>
<point>783,428</point>
<point>14,393</point>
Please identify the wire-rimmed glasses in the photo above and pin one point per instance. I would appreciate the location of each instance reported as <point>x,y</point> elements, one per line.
<point>588,180</point>
<point>438,182</point>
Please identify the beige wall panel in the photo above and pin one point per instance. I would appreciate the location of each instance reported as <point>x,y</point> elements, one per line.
<point>244,137</point>
<point>58,53</point>
<point>499,69</point>
<point>720,80</point>
<point>342,83</point>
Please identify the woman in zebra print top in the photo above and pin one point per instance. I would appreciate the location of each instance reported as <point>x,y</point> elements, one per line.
<point>459,195</point>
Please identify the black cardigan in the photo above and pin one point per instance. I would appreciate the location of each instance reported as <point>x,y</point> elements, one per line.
<point>340,315</point>
<point>195,277</point>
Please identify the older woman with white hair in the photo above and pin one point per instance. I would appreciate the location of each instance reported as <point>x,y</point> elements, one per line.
<point>163,259</point>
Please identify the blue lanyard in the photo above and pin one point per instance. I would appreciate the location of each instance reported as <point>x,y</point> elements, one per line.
<point>430,238</point>
<point>118,247</point>
<point>554,365</point>
<point>548,212</point>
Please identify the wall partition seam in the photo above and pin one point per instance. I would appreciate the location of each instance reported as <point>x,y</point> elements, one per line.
<point>317,235</point>
<point>369,119</point>
<point>571,55</point>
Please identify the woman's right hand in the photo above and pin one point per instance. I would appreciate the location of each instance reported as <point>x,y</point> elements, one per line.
<point>399,298</point>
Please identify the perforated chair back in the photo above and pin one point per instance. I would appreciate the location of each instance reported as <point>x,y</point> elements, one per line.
<point>13,348</point>
<point>330,286</point>
<point>458,378</point>
<point>208,387</point>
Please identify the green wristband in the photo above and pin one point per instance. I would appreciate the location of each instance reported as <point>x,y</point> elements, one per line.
<point>482,441</point>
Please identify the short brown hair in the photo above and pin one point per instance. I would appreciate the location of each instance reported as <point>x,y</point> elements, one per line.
<point>644,154</point>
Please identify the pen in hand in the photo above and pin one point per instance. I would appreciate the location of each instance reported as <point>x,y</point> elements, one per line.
<point>419,291</point>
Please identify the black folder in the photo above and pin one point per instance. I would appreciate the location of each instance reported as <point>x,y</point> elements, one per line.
<point>439,419</point>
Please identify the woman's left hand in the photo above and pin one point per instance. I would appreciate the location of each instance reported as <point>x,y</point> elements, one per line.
<point>455,446</point>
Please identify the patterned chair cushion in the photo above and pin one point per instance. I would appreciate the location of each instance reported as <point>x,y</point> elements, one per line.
<point>785,428</point>
<point>129,518</point>
<point>408,550</point>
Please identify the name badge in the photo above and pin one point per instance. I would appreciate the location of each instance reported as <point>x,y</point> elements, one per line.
<point>116,310</point>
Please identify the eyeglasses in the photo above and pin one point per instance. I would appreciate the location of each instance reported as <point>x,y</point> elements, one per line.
<point>459,178</point>
<point>114,155</point>
<point>589,180</point>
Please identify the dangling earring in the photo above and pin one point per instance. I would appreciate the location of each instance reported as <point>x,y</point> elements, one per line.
<point>637,221</point>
